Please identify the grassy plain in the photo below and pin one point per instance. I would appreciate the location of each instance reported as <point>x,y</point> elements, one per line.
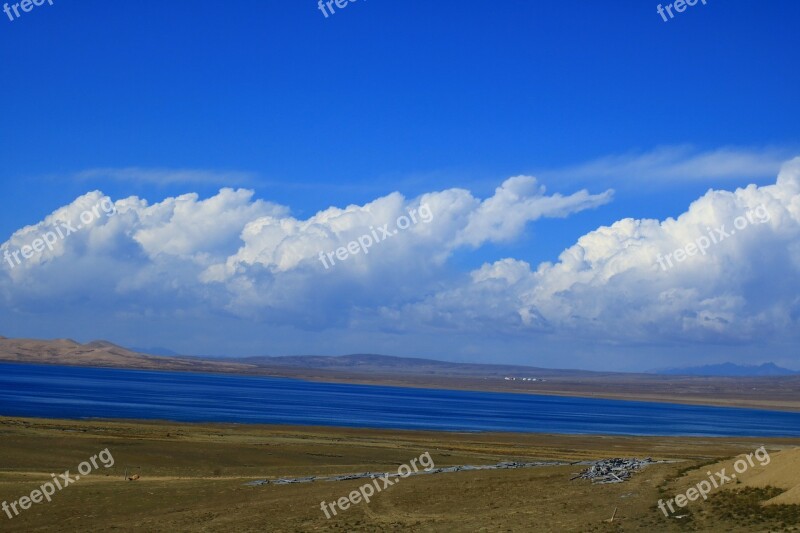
<point>193,479</point>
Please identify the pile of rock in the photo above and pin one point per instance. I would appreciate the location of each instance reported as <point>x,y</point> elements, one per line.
<point>372,475</point>
<point>613,470</point>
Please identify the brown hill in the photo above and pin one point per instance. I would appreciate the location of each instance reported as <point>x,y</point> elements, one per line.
<point>101,354</point>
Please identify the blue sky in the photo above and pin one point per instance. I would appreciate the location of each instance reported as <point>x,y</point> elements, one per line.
<point>159,99</point>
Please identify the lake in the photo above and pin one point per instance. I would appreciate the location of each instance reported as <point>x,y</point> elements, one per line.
<point>76,392</point>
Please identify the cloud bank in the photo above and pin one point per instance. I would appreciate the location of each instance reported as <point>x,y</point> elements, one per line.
<point>238,257</point>
<point>609,286</point>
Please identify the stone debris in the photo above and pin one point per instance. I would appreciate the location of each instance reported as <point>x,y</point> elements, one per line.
<point>293,480</point>
<point>614,470</point>
<point>372,475</point>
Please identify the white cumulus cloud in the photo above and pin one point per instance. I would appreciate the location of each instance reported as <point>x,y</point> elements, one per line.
<point>610,286</point>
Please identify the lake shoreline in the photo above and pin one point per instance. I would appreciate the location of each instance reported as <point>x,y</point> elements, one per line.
<point>570,390</point>
<point>80,393</point>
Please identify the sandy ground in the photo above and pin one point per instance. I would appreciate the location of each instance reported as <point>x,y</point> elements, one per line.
<point>193,479</point>
<point>778,469</point>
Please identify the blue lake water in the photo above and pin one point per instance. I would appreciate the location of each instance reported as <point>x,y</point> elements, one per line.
<point>75,392</point>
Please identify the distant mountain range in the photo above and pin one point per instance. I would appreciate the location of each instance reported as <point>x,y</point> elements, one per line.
<point>388,364</point>
<point>730,370</point>
<point>155,350</point>
<point>106,354</point>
